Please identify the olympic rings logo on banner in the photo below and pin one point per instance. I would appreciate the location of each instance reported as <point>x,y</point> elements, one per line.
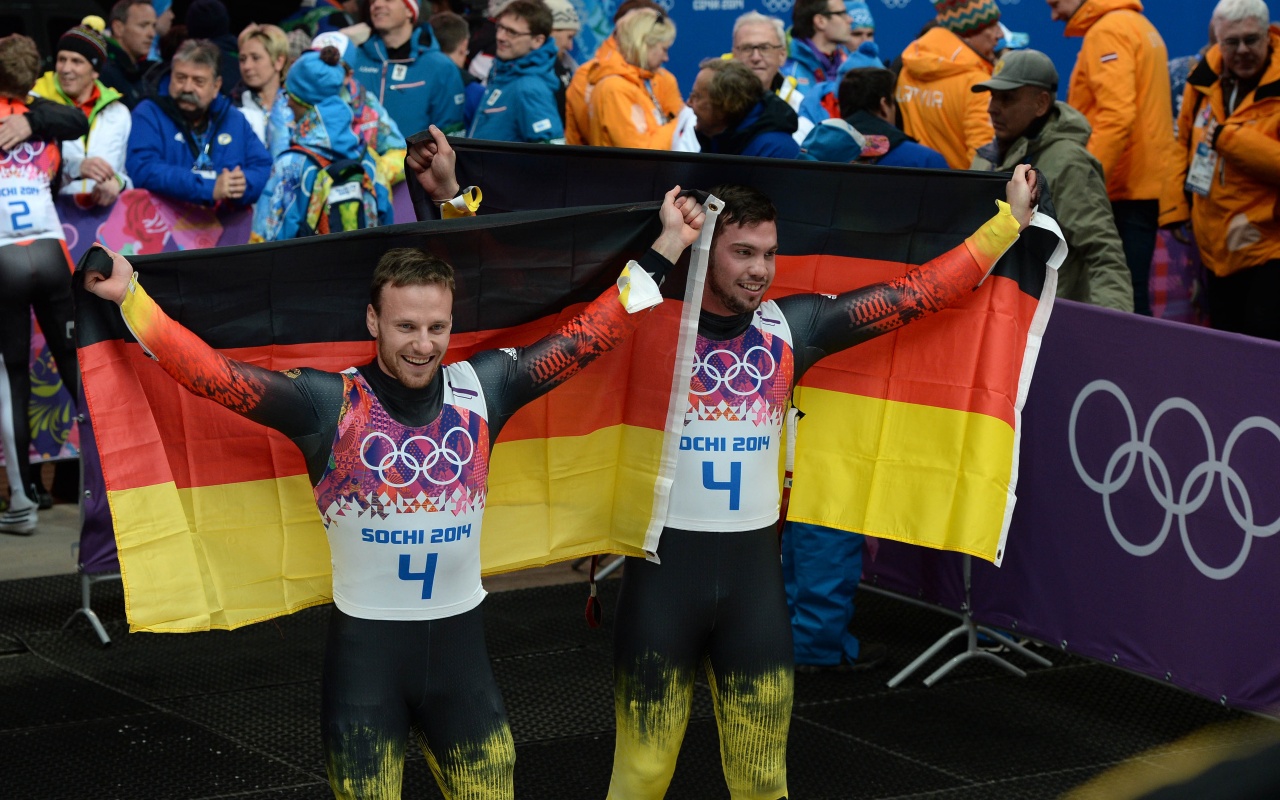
<point>1153,467</point>
<point>896,4</point>
<point>24,153</point>
<point>401,459</point>
<point>737,367</point>
<point>778,6</point>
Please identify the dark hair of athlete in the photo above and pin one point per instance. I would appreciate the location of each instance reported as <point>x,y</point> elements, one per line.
<point>743,206</point>
<point>408,266</point>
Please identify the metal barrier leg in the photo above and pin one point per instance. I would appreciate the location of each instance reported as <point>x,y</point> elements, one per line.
<point>610,568</point>
<point>969,629</point>
<point>86,583</point>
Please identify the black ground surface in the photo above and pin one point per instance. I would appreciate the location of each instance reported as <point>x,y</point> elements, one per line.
<point>222,715</point>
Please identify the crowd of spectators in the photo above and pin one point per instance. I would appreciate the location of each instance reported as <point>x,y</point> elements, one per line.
<point>189,110</point>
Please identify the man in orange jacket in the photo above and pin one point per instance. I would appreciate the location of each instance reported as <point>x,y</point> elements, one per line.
<point>1121,85</point>
<point>1229,135</point>
<point>939,69</point>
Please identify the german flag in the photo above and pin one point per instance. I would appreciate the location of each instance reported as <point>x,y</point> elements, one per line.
<point>215,520</point>
<point>912,436</point>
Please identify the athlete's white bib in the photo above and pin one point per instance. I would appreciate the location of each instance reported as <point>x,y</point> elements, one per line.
<point>727,471</point>
<point>403,506</point>
<point>26,202</point>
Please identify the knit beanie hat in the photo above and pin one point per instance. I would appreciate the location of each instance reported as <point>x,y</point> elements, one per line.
<point>207,19</point>
<point>564,17</point>
<point>860,14</point>
<point>315,76</point>
<point>87,42</point>
<point>966,17</point>
<point>412,5</point>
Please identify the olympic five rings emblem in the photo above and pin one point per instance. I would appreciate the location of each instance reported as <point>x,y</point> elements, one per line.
<point>1183,504</point>
<point>758,373</point>
<point>25,153</point>
<point>402,460</point>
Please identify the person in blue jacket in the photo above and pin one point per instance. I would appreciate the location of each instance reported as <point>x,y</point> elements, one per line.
<point>822,100</point>
<point>736,116</point>
<point>192,144</point>
<point>403,67</point>
<point>519,103</point>
<point>867,131</point>
<point>820,32</point>
<point>323,129</point>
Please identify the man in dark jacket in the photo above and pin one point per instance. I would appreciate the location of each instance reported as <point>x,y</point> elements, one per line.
<point>1034,128</point>
<point>193,145</point>
<point>132,25</point>
<point>736,116</point>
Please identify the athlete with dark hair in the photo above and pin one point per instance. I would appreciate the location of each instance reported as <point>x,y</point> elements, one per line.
<point>406,640</point>
<point>714,595</point>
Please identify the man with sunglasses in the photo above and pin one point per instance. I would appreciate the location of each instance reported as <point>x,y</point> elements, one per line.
<point>519,103</point>
<point>820,32</point>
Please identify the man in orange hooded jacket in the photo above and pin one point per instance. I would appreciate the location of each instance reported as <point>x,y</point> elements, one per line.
<point>1229,136</point>
<point>1121,85</point>
<point>935,101</point>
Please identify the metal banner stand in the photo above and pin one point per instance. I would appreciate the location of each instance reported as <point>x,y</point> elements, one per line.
<point>967,628</point>
<point>86,583</point>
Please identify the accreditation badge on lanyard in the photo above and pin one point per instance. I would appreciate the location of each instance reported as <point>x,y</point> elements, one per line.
<point>203,165</point>
<point>1200,173</point>
<point>657,107</point>
<point>1205,160</point>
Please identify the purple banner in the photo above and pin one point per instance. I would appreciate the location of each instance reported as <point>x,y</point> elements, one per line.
<point>1144,531</point>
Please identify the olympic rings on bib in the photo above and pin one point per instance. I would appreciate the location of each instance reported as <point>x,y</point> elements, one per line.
<point>758,371</point>
<point>24,153</point>
<point>403,463</point>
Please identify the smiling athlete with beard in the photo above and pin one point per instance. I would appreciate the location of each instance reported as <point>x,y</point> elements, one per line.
<point>406,638</point>
<point>714,595</point>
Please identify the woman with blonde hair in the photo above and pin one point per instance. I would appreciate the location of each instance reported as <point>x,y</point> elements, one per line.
<point>264,59</point>
<point>625,107</point>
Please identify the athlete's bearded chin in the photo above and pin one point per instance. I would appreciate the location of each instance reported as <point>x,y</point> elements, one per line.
<point>722,289</point>
<point>393,363</point>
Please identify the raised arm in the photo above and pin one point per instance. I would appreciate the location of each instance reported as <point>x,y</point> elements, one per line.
<point>302,405</point>
<point>823,325</point>
<point>513,378</point>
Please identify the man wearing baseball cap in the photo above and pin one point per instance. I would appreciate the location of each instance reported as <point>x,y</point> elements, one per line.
<point>939,69</point>
<point>402,66</point>
<point>1033,127</point>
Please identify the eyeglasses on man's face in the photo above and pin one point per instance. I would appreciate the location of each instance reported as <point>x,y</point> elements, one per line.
<point>835,12</point>
<point>1250,42</point>
<point>762,49</point>
<point>512,32</point>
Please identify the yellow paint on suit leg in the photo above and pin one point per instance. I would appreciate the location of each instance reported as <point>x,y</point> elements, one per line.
<point>753,713</point>
<point>367,765</point>
<point>476,771</point>
<point>651,703</point>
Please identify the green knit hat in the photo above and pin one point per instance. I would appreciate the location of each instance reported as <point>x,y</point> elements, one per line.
<point>966,17</point>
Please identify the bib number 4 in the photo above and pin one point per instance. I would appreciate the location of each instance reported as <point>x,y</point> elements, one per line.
<point>427,576</point>
<point>733,486</point>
